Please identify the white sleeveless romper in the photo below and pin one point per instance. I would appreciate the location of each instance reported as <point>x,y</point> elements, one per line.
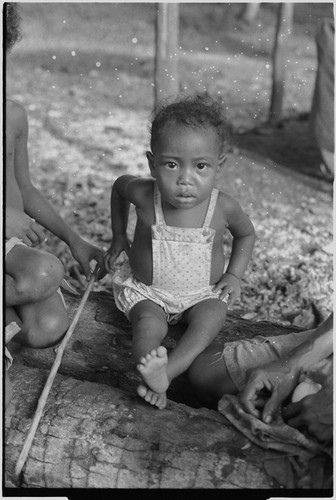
<point>181,267</point>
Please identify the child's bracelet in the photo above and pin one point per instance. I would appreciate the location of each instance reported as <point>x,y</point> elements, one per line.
<point>232,274</point>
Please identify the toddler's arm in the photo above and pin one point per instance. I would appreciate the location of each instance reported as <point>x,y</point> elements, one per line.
<point>121,197</point>
<point>243,234</point>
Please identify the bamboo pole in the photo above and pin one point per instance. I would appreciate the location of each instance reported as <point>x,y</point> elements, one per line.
<point>249,12</point>
<point>44,395</point>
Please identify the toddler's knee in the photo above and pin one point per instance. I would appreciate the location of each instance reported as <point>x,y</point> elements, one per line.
<point>43,277</point>
<point>148,325</point>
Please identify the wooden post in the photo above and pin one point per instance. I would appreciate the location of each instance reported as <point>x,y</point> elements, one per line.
<point>166,50</point>
<point>283,31</point>
<point>249,12</point>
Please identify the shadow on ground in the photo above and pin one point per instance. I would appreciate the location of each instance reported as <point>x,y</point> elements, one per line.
<point>289,145</point>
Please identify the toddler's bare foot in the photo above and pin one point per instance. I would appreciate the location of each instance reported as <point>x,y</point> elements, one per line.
<point>152,368</point>
<point>154,398</point>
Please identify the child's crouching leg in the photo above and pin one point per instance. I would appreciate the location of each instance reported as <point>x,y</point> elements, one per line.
<point>43,323</point>
<point>31,275</point>
<point>209,376</point>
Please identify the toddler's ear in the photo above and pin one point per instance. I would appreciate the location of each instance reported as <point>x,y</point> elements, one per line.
<point>150,159</point>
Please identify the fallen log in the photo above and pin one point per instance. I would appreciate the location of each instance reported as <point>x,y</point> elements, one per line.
<point>96,436</point>
<point>100,348</point>
<point>97,433</point>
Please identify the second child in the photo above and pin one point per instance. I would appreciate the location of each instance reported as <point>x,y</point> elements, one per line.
<point>35,309</point>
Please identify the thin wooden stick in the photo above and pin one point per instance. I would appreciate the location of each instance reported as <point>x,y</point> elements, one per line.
<point>43,398</point>
<point>11,330</point>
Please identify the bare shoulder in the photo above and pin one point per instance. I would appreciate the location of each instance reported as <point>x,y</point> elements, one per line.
<point>227,204</point>
<point>138,190</point>
<point>237,221</point>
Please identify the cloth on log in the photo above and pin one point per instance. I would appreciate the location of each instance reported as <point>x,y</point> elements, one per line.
<point>302,463</point>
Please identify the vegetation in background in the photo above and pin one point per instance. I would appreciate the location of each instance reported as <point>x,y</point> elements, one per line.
<point>84,72</point>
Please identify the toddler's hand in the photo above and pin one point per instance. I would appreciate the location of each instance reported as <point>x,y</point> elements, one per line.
<point>229,284</point>
<point>119,244</point>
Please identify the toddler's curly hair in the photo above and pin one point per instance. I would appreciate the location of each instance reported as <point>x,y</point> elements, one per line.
<point>194,111</point>
<point>12,25</point>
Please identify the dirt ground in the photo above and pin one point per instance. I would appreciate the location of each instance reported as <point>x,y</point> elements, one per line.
<point>88,93</point>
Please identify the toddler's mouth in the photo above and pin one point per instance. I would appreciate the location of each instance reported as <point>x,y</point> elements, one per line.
<point>185,195</point>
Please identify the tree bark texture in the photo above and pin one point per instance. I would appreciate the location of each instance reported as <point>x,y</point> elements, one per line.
<point>100,349</point>
<point>96,436</point>
<point>96,432</point>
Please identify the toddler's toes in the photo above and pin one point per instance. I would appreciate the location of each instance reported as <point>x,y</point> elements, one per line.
<point>161,351</point>
<point>142,391</point>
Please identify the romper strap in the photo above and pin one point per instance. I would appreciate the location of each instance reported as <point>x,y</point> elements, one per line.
<point>159,217</point>
<point>211,207</point>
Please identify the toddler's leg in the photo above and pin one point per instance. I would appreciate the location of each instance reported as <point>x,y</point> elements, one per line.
<point>150,327</point>
<point>209,376</point>
<point>204,322</point>
<point>31,275</point>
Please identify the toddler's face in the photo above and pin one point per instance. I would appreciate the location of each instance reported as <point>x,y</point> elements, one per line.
<point>185,164</point>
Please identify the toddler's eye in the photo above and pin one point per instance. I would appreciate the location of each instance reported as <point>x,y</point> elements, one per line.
<point>171,165</point>
<point>201,166</point>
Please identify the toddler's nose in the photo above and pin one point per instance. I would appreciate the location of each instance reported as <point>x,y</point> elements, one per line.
<point>185,176</point>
